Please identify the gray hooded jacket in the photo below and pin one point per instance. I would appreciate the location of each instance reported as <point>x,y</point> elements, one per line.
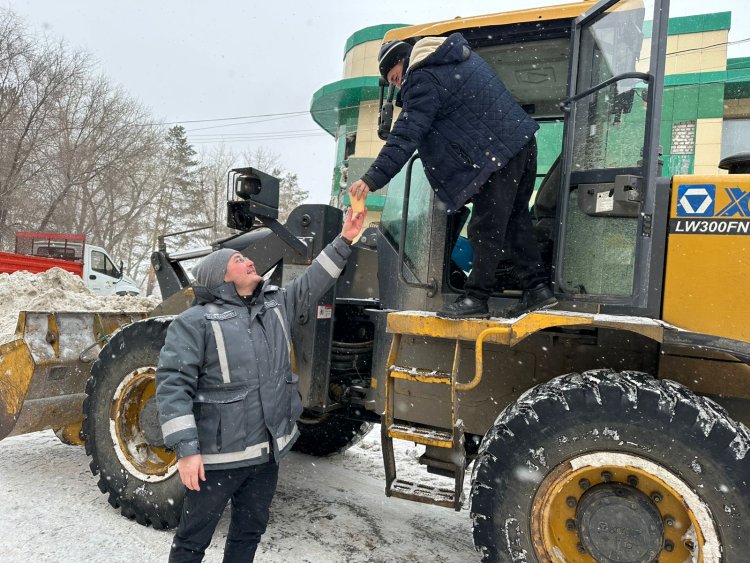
<point>225,387</point>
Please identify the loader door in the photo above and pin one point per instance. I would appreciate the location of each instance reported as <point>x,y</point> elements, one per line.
<point>606,252</point>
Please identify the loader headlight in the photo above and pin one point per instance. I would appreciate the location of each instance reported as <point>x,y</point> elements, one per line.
<point>247,186</point>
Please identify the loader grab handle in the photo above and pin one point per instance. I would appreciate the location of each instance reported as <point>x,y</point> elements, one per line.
<point>565,104</point>
<point>478,360</point>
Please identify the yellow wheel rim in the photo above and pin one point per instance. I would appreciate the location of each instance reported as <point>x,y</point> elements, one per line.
<point>141,457</point>
<point>688,532</point>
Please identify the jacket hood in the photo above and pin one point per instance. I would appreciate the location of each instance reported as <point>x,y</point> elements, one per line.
<point>439,51</point>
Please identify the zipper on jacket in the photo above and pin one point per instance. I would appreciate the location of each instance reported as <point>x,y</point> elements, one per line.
<point>461,154</point>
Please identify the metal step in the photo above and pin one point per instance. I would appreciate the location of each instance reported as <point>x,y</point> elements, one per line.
<point>421,435</point>
<point>427,494</point>
<point>419,374</point>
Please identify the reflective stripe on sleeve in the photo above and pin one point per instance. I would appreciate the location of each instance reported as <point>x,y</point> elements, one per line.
<point>177,424</point>
<point>328,265</point>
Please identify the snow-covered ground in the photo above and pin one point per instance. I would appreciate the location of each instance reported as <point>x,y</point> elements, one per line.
<point>326,510</point>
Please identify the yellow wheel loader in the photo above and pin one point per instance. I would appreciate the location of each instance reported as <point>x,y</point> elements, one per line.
<point>609,429</point>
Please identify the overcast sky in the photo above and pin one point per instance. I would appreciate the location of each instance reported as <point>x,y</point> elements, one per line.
<point>191,60</point>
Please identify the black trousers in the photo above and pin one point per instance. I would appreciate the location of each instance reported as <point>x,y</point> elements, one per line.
<point>251,490</point>
<point>502,207</point>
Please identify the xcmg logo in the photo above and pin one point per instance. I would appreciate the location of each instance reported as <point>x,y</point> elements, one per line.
<point>696,200</point>
<point>738,204</point>
<point>699,200</point>
<point>706,209</point>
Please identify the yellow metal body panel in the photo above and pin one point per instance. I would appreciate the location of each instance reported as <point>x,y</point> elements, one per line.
<point>409,437</point>
<point>16,370</point>
<point>70,435</point>
<point>562,11</point>
<point>708,256</point>
<point>421,378</point>
<point>512,331</point>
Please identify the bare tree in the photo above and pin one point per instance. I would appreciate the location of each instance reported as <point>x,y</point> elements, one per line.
<point>99,144</point>
<point>212,179</point>
<point>33,77</point>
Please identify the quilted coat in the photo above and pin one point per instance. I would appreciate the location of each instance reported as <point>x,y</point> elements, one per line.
<point>459,115</point>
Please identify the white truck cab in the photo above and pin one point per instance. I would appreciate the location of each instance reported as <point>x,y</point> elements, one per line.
<point>102,276</point>
<point>94,265</point>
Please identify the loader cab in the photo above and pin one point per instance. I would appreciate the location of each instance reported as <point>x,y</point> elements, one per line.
<point>591,75</point>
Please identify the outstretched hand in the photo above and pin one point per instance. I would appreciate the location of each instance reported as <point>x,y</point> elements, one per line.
<point>353,224</point>
<point>359,190</point>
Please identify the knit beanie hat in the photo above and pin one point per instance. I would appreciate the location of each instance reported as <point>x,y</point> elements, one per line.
<point>390,53</point>
<point>210,271</point>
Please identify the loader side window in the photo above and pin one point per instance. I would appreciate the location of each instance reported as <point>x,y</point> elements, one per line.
<point>416,252</point>
<point>610,124</point>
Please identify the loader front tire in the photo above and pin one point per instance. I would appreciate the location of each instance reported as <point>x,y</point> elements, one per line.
<point>121,428</point>
<point>616,467</point>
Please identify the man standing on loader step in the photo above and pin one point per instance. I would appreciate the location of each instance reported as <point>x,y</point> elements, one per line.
<point>476,144</point>
<point>227,398</point>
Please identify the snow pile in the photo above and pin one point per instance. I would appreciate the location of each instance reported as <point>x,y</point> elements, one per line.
<point>57,290</point>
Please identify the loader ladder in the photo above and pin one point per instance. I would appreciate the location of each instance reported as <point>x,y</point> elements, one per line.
<point>452,438</point>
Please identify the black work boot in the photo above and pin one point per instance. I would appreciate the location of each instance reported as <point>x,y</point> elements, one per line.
<point>538,297</point>
<point>465,307</point>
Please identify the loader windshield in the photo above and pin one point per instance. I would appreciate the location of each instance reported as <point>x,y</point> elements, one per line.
<point>535,72</point>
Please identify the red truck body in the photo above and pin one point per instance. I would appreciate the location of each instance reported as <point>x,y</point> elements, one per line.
<point>38,252</point>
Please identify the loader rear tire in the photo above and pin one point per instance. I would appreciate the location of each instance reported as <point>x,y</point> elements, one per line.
<point>121,429</point>
<point>328,434</point>
<point>612,466</point>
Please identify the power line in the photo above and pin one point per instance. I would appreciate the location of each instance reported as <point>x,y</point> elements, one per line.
<point>267,117</point>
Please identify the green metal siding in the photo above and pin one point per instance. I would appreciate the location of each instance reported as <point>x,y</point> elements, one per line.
<point>372,33</point>
<point>738,63</point>
<point>337,104</point>
<point>694,24</point>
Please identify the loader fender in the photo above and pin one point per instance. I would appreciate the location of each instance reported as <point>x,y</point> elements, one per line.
<point>121,429</point>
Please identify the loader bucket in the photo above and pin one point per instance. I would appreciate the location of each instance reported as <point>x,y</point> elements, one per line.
<point>43,372</point>
<point>16,369</point>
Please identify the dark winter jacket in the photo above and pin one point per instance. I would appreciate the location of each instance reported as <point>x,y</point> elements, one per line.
<point>459,115</point>
<point>225,387</point>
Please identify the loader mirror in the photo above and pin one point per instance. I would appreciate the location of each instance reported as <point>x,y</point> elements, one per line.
<point>121,270</point>
<point>385,117</point>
